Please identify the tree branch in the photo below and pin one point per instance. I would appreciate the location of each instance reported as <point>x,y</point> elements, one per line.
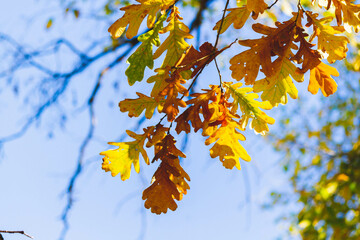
<point>16,232</point>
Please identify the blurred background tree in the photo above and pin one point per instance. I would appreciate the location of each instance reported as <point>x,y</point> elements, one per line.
<point>321,146</point>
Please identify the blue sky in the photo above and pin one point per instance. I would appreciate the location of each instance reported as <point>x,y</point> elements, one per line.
<point>35,169</point>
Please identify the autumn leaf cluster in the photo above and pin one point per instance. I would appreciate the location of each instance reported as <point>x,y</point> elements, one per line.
<point>270,66</point>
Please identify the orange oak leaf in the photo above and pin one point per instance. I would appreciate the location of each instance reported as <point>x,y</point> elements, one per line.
<point>157,135</point>
<point>197,60</point>
<point>200,105</point>
<point>256,7</point>
<point>320,77</point>
<point>169,180</point>
<point>168,184</point>
<point>320,73</point>
<point>170,93</point>
<point>221,129</point>
<point>277,42</point>
<point>167,147</point>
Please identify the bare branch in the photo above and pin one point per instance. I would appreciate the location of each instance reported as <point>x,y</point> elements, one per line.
<point>16,232</point>
<point>64,79</point>
<point>87,139</point>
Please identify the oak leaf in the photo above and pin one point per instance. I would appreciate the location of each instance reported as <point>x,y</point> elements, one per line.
<point>277,42</point>
<point>159,81</point>
<point>320,73</point>
<point>169,180</point>
<point>174,44</point>
<point>227,146</point>
<point>168,183</point>
<point>135,14</point>
<point>143,56</point>
<point>236,16</point>
<point>197,60</point>
<point>200,103</point>
<point>170,93</point>
<point>320,77</point>
<point>256,7</point>
<point>250,108</point>
<point>335,47</point>
<point>136,106</point>
<point>120,160</point>
<point>276,88</point>
<point>348,12</point>
<point>157,136</point>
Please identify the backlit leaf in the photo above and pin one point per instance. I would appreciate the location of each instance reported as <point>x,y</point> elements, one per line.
<point>320,77</point>
<point>276,88</point>
<point>174,44</point>
<point>120,160</point>
<point>227,146</point>
<point>135,14</point>
<point>143,56</point>
<point>169,181</point>
<point>236,16</point>
<point>250,108</point>
<point>136,106</point>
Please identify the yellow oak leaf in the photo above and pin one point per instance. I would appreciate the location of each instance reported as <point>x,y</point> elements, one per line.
<point>227,146</point>
<point>120,160</point>
<point>236,16</point>
<point>247,64</point>
<point>276,88</point>
<point>174,44</point>
<point>348,12</point>
<point>135,14</point>
<point>335,47</point>
<point>136,106</point>
<point>249,107</point>
<point>345,12</point>
<point>159,81</point>
<point>320,77</point>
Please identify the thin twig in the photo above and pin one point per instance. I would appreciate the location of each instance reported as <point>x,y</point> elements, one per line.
<point>218,70</point>
<point>217,40</point>
<point>221,24</point>
<point>269,7</point>
<point>16,232</point>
